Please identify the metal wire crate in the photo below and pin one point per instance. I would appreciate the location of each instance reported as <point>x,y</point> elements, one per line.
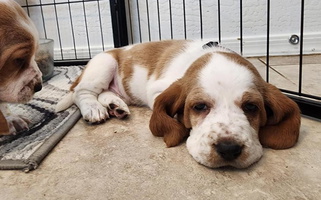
<point>83,28</point>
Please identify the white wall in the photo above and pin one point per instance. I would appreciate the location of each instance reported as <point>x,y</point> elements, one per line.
<point>285,21</point>
<point>77,26</point>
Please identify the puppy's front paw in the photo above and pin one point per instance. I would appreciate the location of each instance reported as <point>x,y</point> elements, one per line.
<point>17,124</point>
<point>93,112</point>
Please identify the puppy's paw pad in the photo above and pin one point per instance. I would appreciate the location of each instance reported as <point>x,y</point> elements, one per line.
<point>117,111</point>
<point>115,105</point>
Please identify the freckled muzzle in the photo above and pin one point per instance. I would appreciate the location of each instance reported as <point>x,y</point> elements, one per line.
<point>215,145</point>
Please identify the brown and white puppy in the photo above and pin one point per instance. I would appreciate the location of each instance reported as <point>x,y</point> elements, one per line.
<point>20,76</point>
<point>213,97</point>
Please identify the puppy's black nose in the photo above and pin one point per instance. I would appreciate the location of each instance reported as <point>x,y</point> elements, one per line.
<point>37,87</point>
<point>228,150</point>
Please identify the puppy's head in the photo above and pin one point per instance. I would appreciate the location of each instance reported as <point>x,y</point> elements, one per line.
<point>227,111</point>
<point>20,76</point>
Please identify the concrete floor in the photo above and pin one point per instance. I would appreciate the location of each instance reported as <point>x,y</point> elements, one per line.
<point>122,160</point>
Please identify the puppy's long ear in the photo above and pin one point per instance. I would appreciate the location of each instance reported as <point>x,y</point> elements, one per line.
<point>282,127</point>
<point>4,129</point>
<point>166,106</point>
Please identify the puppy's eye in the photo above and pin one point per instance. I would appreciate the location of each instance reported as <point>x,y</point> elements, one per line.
<point>200,107</point>
<point>19,62</point>
<point>250,108</point>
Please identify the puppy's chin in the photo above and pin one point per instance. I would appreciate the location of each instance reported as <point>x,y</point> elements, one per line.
<point>27,91</point>
<point>25,94</point>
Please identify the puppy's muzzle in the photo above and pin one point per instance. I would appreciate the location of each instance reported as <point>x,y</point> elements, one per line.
<point>228,150</point>
<point>37,87</point>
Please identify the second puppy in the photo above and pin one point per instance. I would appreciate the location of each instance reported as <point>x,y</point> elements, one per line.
<point>20,76</point>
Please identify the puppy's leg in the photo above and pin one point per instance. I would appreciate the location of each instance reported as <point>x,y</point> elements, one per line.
<point>100,71</point>
<point>12,123</point>
<point>115,105</point>
<point>17,124</point>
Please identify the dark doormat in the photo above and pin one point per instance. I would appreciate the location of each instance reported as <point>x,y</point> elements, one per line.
<point>27,149</point>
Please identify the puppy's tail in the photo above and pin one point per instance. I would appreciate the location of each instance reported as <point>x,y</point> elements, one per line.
<point>65,102</point>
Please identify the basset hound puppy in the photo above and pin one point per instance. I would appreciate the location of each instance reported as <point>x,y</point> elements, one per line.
<point>206,93</point>
<point>20,76</point>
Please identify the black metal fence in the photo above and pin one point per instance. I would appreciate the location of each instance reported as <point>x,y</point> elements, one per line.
<point>83,28</point>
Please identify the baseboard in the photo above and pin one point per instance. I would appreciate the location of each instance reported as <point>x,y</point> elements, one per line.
<point>279,45</point>
<point>252,46</point>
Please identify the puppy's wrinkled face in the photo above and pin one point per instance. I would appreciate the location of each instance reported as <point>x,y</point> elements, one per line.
<point>225,112</point>
<point>20,76</point>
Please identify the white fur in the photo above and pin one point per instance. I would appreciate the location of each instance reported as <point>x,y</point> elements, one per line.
<point>138,79</point>
<point>92,84</point>
<point>226,119</point>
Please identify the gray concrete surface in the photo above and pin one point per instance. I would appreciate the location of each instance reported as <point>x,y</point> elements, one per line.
<point>122,160</point>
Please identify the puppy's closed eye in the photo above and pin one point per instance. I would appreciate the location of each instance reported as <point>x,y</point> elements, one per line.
<point>20,62</point>
<point>200,107</point>
<point>250,108</point>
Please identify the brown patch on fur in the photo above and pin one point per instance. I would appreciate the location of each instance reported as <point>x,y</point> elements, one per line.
<point>162,122</point>
<point>172,102</point>
<point>77,81</point>
<point>256,119</point>
<point>282,128</point>
<point>116,53</point>
<point>197,96</point>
